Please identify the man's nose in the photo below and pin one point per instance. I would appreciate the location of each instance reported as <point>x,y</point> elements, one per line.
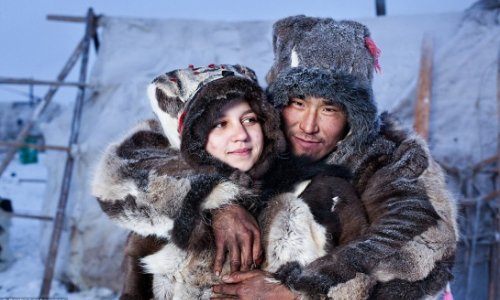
<point>309,122</point>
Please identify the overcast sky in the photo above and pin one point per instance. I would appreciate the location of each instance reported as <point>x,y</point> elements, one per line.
<point>32,47</point>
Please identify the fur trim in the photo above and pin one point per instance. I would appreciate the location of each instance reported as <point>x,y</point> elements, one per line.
<point>169,93</point>
<point>308,42</point>
<point>203,110</point>
<point>353,95</point>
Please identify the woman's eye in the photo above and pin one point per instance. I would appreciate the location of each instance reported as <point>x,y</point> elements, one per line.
<point>220,124</point>
<point>249,120</point>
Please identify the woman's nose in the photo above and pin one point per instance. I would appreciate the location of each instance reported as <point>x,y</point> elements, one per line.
<point>240,133</point>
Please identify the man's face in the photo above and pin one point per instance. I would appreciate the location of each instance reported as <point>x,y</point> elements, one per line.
<point>313,126</point>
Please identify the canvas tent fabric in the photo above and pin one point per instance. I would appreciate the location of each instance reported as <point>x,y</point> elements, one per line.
<point>464,120</point>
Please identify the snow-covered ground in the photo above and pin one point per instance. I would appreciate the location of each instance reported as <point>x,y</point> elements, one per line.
<point>25,186</point>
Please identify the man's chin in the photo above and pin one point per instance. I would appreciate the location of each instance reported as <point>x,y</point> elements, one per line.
<point>313,154</point>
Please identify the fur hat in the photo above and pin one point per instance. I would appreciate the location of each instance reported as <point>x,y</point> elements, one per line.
<point>169,93</point>
<point>323,43</point>
<point>330,59</point>
<point>203,111</point>
<point>349,92</point>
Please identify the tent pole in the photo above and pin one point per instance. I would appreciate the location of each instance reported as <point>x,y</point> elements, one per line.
<point>494,287</point>
<point>63,199</point>
<point>424,88</point>
<point>42,105</point>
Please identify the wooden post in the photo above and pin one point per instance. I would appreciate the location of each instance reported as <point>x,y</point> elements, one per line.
<point>63,199</point>
<point>34,146</point>
<point>424,89</point>
<point>42,106</point>
<point>39,82</point>
<point>380,7</point>
<point>494,284</point>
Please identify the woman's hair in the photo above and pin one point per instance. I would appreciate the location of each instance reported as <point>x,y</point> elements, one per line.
<point>204,110</point>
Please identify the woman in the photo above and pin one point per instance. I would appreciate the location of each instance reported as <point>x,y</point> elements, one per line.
<point>230,138</point>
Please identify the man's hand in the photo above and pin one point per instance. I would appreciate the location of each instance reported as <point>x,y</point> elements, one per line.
<point>251,285</point>
<point>236,232</point>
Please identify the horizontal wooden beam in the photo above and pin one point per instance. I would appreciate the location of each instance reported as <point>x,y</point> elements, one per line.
<point>41,82</point>
<point>30,216</point>
<point>34,146</point>
<point>62,18</point>
<point>72,19</point>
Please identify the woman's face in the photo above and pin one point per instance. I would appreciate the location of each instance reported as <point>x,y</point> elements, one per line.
<point>236,137</point>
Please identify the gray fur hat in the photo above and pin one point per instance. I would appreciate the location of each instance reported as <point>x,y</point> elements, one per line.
<point>301,41</point>
<point>353,95</point>
<point>329,59</point>
<point>169,93</point>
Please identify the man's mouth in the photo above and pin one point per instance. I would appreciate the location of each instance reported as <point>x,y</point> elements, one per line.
<point>305,140</point>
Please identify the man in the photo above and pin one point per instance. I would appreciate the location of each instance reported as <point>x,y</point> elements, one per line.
<point>408,249</point>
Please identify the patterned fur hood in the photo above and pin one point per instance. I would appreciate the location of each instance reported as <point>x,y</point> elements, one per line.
<point>203,110</point>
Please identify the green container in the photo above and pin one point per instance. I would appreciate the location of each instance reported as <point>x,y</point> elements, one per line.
<point>29,155</point>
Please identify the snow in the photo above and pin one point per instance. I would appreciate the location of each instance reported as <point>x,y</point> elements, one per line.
<point>134,51</point>
<point>25,186</point>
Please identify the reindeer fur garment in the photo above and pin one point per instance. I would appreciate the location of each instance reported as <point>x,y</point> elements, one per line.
<point>409,245</point>
<point>144,184</point>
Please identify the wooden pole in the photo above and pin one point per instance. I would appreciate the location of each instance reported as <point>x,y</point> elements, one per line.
<point>424,88</point>
<point>380,7</point>
<point>494,284</point>
<point>39,82</point>
<point>63,199</point>
<point>30,216</point>
<point>34,146</point>
<point>42,105</point>
<point>62,18</point>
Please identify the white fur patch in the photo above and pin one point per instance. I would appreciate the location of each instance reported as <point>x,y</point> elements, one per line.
<point>335,200</point>
<point>143,226</point>
<point>222,194</point>
<point>165,265</point>
<point>106,184</point>
<point>294,58</point>
<point>294,235</point>
<point>167,261</point>
<point>168,123</point>
<point>300,187</point>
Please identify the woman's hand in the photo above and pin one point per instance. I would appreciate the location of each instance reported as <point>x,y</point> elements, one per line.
<point>236,232</point>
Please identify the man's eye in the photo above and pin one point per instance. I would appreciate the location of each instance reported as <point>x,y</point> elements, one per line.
<point>296,103</point>
<point>331,109</point>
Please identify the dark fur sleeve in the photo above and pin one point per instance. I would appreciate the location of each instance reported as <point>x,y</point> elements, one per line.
<point>144,185</point>
<point>410,242</point>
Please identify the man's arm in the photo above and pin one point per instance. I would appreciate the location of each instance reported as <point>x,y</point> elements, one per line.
<point>411,236</point>
<point>408,247</point>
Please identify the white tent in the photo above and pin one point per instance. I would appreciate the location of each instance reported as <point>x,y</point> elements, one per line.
<point>464,122</point>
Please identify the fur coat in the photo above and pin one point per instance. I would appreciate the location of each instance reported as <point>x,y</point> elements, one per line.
<point>144,184</point>
<point>409,245</point>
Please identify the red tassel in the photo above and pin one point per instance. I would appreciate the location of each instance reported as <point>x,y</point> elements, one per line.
<point>191,66</point>
<point>374,51</point>
<point>211,66</point>
<point>181,122</point>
